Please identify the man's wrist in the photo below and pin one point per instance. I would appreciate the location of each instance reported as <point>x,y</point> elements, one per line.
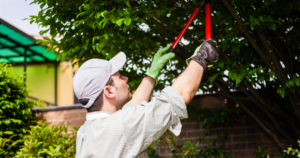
<point>149,79</point>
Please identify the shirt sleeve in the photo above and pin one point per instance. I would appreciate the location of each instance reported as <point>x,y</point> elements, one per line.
<point>145,123</point>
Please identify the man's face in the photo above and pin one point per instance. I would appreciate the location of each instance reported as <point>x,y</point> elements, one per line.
<point>123,94</point>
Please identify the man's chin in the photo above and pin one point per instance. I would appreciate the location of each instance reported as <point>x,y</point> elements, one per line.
<point>130,96</point>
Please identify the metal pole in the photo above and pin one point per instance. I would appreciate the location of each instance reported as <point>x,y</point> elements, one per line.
<point>55,82</point>
<point>25,66</point>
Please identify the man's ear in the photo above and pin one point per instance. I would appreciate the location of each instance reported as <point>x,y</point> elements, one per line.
<point>109,92</point>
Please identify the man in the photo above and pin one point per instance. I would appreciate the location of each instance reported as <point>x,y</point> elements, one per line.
<point>120,124</point>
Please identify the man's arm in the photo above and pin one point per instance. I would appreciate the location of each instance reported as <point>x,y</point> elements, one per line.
<point>146,87</point>
<point>187,83</point>
<point>144,91</point>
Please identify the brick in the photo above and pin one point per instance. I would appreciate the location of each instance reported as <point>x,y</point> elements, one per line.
<point>189,121</point>
<point>269,145</point>
<point>48,116</point>
<point>182,141</point>
<point>208,125</point>
<point>232,131</point>
<point>209,140</point>
<point>239,146</point>
<point>59,122</point>
<point>78,121</point>
<point>74,110</point>
<point>286,143</point>
<point>254,130</point>
<point>243,153</point>
<point>193,134</point>
<point>162,151</point>
<point>72,127</point>
<point>267,138</point>
<point>190,127</point>
<point>247,138</point>
<point>165,156</point>
<point>274,152</point>
<point>66,115</point>
<point>183,134</point>
<point>228,140</point>
<point>82,113</point>
<point>245,123</point>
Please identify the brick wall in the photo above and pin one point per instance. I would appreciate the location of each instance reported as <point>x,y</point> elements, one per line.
<point>243,136</point>
<point>73,116</point>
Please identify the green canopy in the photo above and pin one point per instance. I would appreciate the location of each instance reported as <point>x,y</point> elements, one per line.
<point>16,45</point>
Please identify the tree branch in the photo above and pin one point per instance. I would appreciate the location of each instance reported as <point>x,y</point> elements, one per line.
<point>263,126</point>
<point>176,32</point>
<point>256,98</point>
<point>283,78</point>
<point>247,35</point>
<point>233,97</point>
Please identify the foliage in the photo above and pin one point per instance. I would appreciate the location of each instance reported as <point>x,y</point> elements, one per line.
<point>5,147</point>
<point>259,152</point>
<point>258,44</point>
<point>219,116</point>
<point>215,118</point>
<point>190,149</point>
<point>15,109</point>
<point>292,151</point>
<point>44,141</point>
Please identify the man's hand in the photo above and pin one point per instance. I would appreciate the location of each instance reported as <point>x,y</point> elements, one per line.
<point>206,54</point>
<point>158,62</point>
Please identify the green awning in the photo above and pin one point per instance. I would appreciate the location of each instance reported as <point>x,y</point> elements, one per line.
<point>14,43</point>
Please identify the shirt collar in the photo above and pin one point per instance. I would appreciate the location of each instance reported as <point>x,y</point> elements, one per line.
<point>97,114</point>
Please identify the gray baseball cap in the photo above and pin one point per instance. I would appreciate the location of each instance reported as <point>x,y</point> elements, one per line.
<point>90,79</point>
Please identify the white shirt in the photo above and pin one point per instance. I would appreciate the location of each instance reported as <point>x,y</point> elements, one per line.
<point>128,132</point>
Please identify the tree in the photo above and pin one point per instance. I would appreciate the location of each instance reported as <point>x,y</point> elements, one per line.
<point>258,68</point>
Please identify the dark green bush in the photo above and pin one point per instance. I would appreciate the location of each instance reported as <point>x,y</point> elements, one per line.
<point>15,109</point>
<point>45,141</point>
<point>42,141</point>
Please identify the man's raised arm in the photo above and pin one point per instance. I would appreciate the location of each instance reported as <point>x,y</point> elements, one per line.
<point>144,91</point>
<point>187,83</point>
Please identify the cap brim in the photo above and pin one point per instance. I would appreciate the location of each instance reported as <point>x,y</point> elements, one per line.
<point>117,62</point>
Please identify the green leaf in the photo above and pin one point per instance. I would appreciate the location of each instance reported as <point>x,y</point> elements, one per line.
<point>127,21</point>
<point>213,78</point>
<point>281,91</point>
<point>80,14</point>
<point>267,19</point>
<point>251,19</point>
<point>205,120</point>
<point>128,4</point>
<point>232,75</point>
<point>134,18</point>
<point>297,81</point>
<point>51,149</point>
<point>239,78</point>
<point>86,6</point>
<point>261,77</point>
<point>271,26</point>
<point>8,132</point>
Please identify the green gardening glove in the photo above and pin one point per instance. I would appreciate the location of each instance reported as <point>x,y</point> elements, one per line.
<point>158,62</point>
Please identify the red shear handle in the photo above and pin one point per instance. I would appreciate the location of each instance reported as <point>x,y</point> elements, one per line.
<point>207,21</point>
<point>185,27</point>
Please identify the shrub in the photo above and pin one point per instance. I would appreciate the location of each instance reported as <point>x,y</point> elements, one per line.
<point>190,149</point>
<point>15,109</point>
<point>45,141</point>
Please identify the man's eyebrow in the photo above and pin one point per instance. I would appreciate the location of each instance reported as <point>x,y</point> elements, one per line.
<point>120,76</point>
